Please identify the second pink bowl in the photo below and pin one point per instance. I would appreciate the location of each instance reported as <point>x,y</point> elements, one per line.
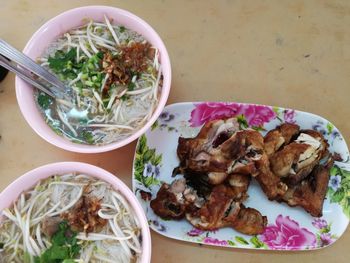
<point>31,178</point>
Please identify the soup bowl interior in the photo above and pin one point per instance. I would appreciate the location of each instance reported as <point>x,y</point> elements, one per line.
<point>31,178</point>
<point>55,28</point>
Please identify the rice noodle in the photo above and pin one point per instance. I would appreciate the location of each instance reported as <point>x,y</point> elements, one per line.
<point>108,118</point>
<point>22,229</point>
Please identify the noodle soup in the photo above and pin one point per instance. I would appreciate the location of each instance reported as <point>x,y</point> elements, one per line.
<point>115,81</point>
<point>70,218</point>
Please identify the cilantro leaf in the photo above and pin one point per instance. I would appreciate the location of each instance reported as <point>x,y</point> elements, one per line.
<point>125,97</point>
<point>44,101</point>
<point>131,86</point>
<point>64,247</point>
<point>60,60</point>
<point>122,29</point>
<point>88,137</point>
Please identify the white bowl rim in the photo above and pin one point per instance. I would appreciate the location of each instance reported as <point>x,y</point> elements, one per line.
<point>83,148</point>
<point>30,178</point>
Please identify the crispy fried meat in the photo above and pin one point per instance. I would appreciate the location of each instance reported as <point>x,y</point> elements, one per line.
<point>311,192</point>
<point>221,149</point>
<point>218,211</point>
<point>249,221</point>
<point>131,60</point>
<point>296,164</point>
<point>172,201</point>
<point>83,216</point>
<point>296,160</point>
<point>221,210</point>
<point>277,138</point>
<point>268,181</point>
<point>203,153</point>
<point>239,184</point>
<point>220,161</point>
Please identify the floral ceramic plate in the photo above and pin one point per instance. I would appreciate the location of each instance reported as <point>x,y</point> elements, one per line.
<point>288,228</point>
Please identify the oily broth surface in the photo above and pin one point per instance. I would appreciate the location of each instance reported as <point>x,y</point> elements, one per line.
<point>94,116</point>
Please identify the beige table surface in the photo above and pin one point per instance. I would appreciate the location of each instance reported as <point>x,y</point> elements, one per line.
<point>289,53</point>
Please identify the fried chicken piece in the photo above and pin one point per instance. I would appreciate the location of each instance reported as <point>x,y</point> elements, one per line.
<point>297,159</point>
<point>280,136</point>
<point>254,162</point>
<point>218,211</point>
<point>311,192</point>
<point>203,153</point>
<point>268,181</point>
<point>221,149</point>
<point>199,181</point>
<point>249,221</point>
<point>239,184</point>
<point>243,150</point>
<point>221,210</point>
<point>241,153</point>
<point>172,201</point>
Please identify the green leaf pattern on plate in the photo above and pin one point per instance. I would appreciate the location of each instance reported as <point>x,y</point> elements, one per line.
<point>339,188</point>
<point>147,164</point>
<point>208,237</point>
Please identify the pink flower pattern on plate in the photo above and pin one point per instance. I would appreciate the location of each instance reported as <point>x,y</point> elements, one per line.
<point>208,111</point>
<point>256,115</point>
<point>326,239</point>
<point>215,241</point>
<point>287,235</point>
<point>319,223</point>
<point>289,116</point>
<point>195,232</point>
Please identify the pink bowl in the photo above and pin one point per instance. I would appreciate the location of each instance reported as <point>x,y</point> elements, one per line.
<point>63,23</point>
<point>31,178</point>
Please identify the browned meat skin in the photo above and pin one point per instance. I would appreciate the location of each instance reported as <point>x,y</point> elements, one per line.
<point>227,161</point>
<point>221,210</point>
<point>166,205</point>
<point>280,136</point>
<point>203,185</point>
<point>297,159</point>
<point>172,201</point>
<point>311,192</point>
<point>269,182</point>
<point>200,154</point>
<point>217,212</point>
<point>249,221</point>
<point>190,147</point>
<point>239,184</point>
<point>282,161</point>
<point>235,154</point>
<point>242,150</point>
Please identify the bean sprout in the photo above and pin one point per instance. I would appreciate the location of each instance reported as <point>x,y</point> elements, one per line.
<point>21,232</point>
<point>102,106</point>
